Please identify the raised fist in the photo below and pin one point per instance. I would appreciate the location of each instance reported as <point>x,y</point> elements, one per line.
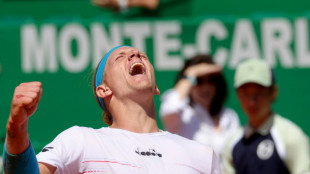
<point>25,102</point>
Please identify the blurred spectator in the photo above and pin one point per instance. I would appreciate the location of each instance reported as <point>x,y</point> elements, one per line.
<point>122,5</point>
<point>269,143</point>
<point>194,108</point>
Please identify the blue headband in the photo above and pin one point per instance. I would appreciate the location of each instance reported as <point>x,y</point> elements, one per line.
<point>100,70</point>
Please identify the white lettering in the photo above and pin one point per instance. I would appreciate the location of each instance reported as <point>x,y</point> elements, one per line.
<point>78,62</point>
<point>163,45</point>
<point>302,43</point>
<point>216,29</point>
<point>102,42</point>
<point>1,162</point>
<point>244,43</point>
<point>38,52</point>
<point>138,31</point>
<point>277,37</point>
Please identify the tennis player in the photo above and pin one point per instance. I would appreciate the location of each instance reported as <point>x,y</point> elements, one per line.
<point>131,144</point>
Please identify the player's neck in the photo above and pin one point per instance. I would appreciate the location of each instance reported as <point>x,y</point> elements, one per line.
<point>135,117</point>
<point>137,127</point>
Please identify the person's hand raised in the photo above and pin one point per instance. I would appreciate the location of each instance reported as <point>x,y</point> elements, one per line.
<point>25,102</point>
<point>202,69</point>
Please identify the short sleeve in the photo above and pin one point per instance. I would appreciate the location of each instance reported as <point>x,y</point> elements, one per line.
<point>64,152</point>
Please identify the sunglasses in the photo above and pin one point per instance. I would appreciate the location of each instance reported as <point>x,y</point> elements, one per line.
<point>206,80</point>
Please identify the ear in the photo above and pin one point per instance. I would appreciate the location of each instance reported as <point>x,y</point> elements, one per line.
<point>103,91</point>
<point>157,92</point>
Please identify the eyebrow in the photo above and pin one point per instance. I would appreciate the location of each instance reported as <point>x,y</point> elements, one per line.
<point>122,53</point>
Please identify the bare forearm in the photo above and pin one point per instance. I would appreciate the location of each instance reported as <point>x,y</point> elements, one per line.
<point>183,88</point>
<point>184,85</point>
<point>19,156</point>
<point>17,139</point>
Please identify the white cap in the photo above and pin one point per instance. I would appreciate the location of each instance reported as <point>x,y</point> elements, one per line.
<point>253,71</point>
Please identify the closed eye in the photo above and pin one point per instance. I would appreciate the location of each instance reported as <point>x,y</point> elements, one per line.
<point>119,57</point>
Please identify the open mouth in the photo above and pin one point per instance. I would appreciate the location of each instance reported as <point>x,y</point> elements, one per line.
<point>136,69</point>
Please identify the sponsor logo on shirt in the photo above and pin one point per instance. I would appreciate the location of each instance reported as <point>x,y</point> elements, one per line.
<point>45,149</point>
<point>265,149</point>
<point>149,152</point>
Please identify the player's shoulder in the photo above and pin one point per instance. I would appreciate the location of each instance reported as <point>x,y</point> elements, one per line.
<point>195,154</point>
<point>78,128</point>
<point>189,144</point>
<point>199,154</point>
<point>77,132</point>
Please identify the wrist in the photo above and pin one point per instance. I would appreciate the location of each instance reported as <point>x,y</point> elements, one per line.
<point>191,71</point>
<point>16,130</point>
<point>24,162</point>
<point>191,79</point>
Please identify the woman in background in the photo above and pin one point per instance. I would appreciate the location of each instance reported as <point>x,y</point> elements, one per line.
<point>195,109</point>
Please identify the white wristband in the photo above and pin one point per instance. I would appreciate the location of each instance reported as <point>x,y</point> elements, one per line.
<point>191,79</point>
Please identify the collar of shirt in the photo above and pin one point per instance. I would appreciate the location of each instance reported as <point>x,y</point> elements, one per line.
<point>264,129</point>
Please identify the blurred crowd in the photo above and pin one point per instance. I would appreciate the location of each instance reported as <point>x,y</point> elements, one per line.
<point>268,143</point>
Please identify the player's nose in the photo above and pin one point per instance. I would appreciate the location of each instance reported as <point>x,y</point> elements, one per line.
<point>134,54</point>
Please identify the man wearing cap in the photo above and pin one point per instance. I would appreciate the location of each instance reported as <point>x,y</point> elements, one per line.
<point>269,143</point>
<point>124,85</point>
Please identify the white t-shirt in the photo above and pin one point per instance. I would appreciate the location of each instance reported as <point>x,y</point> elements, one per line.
<point>197,124</point>
<point>109,150</point>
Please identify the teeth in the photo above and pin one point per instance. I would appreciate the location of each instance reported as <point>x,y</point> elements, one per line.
<point>140,65</point>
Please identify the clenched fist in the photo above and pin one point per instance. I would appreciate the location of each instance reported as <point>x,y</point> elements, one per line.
<point>25,101</point>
